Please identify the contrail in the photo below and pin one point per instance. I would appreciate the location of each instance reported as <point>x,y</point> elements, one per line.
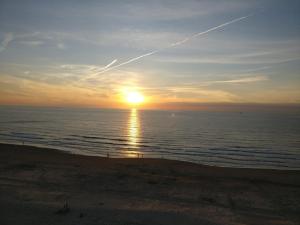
<point>132,60</point>
<point>110,64</point>
<point>209,30</point>
<point>174,44</point>
<point>101,69</point>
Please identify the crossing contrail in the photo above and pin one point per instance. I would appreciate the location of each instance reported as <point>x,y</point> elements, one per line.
<point>109,67</point>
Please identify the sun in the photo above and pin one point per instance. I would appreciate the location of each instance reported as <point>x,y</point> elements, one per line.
<point>134,97</point>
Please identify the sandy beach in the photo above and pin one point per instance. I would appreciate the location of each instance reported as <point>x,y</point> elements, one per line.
<point>44,186</point>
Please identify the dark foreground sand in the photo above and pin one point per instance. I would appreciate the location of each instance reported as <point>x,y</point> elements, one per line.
<point>35,184</point>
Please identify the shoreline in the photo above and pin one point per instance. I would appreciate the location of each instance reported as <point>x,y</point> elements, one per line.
<point>36,183</point>
<point>76,152</point>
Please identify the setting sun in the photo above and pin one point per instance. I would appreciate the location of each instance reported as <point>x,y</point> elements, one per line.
<point>134,98</point>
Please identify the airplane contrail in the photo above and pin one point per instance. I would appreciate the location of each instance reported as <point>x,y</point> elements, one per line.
<point>131,60</point>
<point>101,70</point>
<point>209,30</point>
<point>110,64</point>
<point>174,44</point>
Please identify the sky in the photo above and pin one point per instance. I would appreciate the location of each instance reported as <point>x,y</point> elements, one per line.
<point>178,54</point>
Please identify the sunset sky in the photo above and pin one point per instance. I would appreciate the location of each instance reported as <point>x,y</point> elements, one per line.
<point>56,52</point>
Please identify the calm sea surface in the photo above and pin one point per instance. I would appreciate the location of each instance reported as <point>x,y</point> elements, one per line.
<point>248,139</point>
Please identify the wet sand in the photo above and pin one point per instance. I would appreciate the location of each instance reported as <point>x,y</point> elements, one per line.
<point>44,186</point>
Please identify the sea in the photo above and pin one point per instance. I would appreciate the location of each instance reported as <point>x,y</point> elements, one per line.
<point>227,139</point>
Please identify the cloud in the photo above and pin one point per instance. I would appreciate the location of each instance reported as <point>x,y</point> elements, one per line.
<point>283,94</point>
<point>200,92</point>
<point>61,46</point>
<point>196,94</point>
<point>143,11</point>
<point>247,53</point>
<point>242,80</point>
<point>15,90</point>
<point>167,10</point>
<point>8,37</point>
<point>33,39</point>
<point>32,43</point>
<point>256,69</point>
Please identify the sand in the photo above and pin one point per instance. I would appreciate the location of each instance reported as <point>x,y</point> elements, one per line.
<point>44,186</point>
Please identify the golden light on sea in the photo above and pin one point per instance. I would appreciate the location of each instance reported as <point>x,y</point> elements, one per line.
<point>133,133</point>
<point>133,127</point>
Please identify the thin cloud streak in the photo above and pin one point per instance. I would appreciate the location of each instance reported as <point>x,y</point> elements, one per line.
<point>244,80</point>
<point>7,39</point>
<point>177,43</point>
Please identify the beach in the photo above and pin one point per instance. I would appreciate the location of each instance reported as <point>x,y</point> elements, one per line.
<point>46,186</point>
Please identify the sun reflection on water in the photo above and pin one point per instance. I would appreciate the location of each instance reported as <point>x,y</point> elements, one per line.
<point>133,127</point>
<point>133,133</point>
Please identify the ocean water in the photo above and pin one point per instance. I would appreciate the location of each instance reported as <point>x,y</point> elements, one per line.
<point>231,139</point>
